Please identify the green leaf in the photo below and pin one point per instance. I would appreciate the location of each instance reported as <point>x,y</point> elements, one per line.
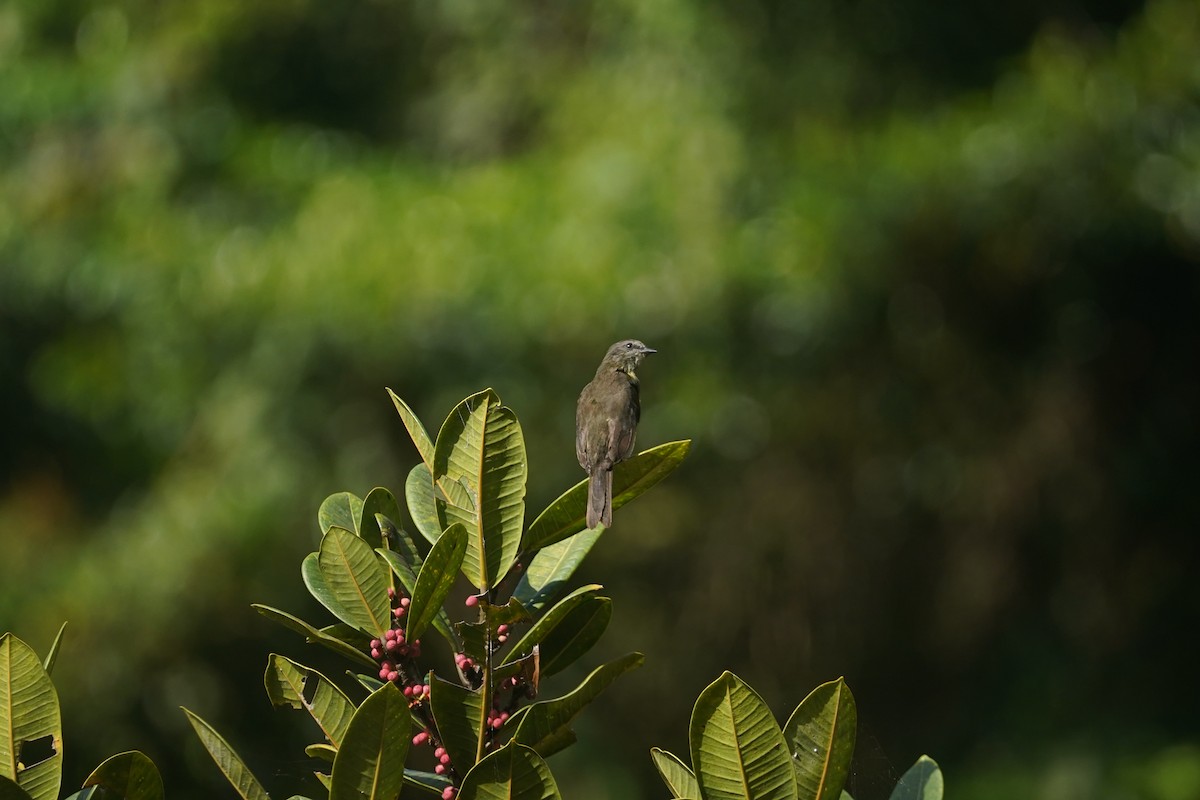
<point>325,752</point>
<point>475,635</point>
<point>435,580</point>
<point>426,781</point>
<point>416,430</point>
<point>341,510</point>
<point>567,515</point>
<point>566,631</point>
<point>228,761</point>
<point>356,580</point>
<point>378,501</point>
<point>514,772</point>
<point>552,567</point>
<point>30,724</point>
<point>131,775</point>
<point>820,736</point>
<point>458,712</point>
<point>678,776</point>
<point>922,781</point>
<point>408,579</point>
<point>370,763</point>
<point>52,656</point>
<point>313,635</point>
<point>11,791</point>
<point>298,686</point>
<point>422,502</point>
<point>546,724</point>
<point>314,581</point>
<point>399,541</point>
<point>738,750</point>
<point>479,464</point>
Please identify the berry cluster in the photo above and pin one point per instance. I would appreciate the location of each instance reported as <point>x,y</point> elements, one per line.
<point>393,648</point>
<point>443,760</point>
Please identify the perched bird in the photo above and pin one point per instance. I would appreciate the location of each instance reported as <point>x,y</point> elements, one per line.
<point>606,421</point>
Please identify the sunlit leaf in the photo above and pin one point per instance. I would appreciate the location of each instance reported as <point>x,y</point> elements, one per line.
<point>435,580</point>
<point>313,635</point>
<point>370,762</point>
<point>546,724</point>
<point>52,656</point>
<point>227,760</point>
<point>678,777</point>
<point>378,501</point>
<point>550,569</point>
<point>922,781</point>
<point>30,726</point>
<point>567,515</point>
<point>356,580</point>
<point>422,503</point>
<point>298,686</point>
<point>458,712</point>
<point>820,736</point>
<point>416,430</point>
<point>737,748</point>
<point>314,581</point>
<point>514,772</point>
<point>568,630</point>
<point>342,510</point>
<point>130,776</point>
<point>408,579</point>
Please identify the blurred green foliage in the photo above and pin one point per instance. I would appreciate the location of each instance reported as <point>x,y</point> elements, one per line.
<point>922,277</point>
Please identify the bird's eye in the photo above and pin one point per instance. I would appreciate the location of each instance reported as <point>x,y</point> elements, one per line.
<point>629,345</point>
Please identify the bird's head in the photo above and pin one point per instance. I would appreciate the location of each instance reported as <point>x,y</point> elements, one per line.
<point>626,355</point>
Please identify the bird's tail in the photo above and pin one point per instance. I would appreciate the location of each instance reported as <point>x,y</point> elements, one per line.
<point>599,510</point>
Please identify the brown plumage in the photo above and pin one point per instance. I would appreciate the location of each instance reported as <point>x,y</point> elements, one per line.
<point>606,420</point>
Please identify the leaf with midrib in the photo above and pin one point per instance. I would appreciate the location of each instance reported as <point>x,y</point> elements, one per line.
<point>737,748</point>
<point>551,567</point>
<point>416,430</point>
<point>435,580</point>
<point>408,579</point>
<point>313,635</point>
<point>378,501</point>
<point>422,505</point>
<point>514,772</point>
<point>227,760</point>
<point>678,777</point>
<point>820,736</point>
<point>566,515</point>
<point>370,763</point>
<point>567,631</point>
<point>131,775</point>
<point>458,712</point>
<point>356,580</point>
<point>28,712</point>
<point>290,684</point>
<point>342,510</point>
<point>922,781</point>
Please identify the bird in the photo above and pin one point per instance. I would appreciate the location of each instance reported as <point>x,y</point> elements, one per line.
<point>606,420</point>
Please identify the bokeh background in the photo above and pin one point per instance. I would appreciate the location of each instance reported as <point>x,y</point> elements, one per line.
<point>923,279</point>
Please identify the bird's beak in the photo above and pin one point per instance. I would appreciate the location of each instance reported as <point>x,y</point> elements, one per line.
<point>648,350</point>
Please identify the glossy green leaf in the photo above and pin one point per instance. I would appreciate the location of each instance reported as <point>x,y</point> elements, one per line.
<point>228,761</point>
<point>422,502</point>
<point>408,579</point>
<point>567,631</point>
<point>566,516</point>
<point>52,656</point>
<point>550,569</point>
<point>737,748</point>
<point>9,790</point>
<point>429,782</point>
<point>820,736</point>
<point>479,463</point>
<point>435,580</point>
<point>678,776</point>
<point>356,580</point>
<point>297,686</point>
<point>341,510</point>
<point>131,776</point>
<point>416,430</point>
<point>314,581</point>
<point>379,501</point>
<point>370,763</point>
<point>314,635</point>
<point>546,724</point>
<point>30,724</point>
<point>325,752</point>
<point>514,772</point>
<point>458,712</point>
<point>922,781</point>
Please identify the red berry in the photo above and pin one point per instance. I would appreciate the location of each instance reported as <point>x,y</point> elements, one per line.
<point>393,676</point>
<point>408,691</point>
<point>440,769</point>
<point>404,601</point>
<point>438,753</point>
<point>389,634</point>
<point>502,629</point>
<point>375,644</point>
<point>448,793</point>
<point>421,738</point>
<point>496,723</point>
<point>472,601</point>
<point>383,673</point>
<point>444,758</point>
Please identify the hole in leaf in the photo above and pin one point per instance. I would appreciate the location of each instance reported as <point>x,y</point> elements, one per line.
<point>310,690</point>
<point>35,751</point>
